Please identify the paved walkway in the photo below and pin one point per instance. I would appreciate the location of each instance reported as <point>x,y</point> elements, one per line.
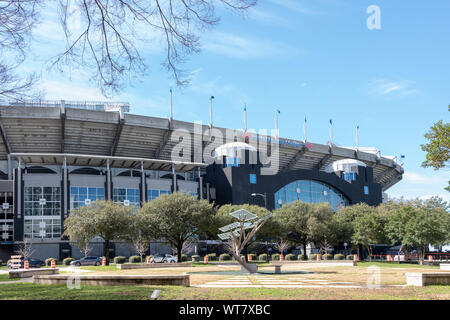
<point>260,281</point>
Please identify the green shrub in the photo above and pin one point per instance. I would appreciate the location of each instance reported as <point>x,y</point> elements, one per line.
<point>1,262</point>
<point>212,256</point>
<point>67,261</point>
<point>313,256</point>
<point>327,257</point>
<point>339,256</point>
<point>195,258</point>
<point>184,257</point>
<point>224,257</point>
<point>290,256</point>
<point>48,261</point>
<point>276,257</point>
<point>134,259</point>
<point>120,260</point>
<point>350,257</point>
<point>253,255</point>
<point>262,257</point>
<point>302,257</point>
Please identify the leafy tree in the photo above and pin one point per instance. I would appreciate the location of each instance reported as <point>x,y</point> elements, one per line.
<point>321,227</point>
<point>438,147</point>
<point>292,220</point>
<point>178,218</point>
<point>419,223</point>
<point>141,233</point>
<point>104,219</point>
<point>346,224</point>
<point>369,229</point>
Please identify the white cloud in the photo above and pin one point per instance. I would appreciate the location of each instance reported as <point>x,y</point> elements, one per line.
<point>267,17</point>
<point>416,178</point>
<point>240,47</point>
<point>417,185</point>
<point>383,87</point>
<point>295,5</point>
<point>68,90</point>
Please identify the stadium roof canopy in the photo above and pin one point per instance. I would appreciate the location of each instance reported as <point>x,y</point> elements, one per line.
<point>44,133</point>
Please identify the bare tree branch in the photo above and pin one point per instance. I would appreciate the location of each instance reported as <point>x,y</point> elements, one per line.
<point>112,32</point>
<point>17,18</point>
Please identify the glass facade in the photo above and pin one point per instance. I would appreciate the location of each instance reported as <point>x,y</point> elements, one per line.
<point>312,192</point>
<point>42,211</point>
<point>153,193</point>
<point>82,196</point>
<point>122,194</point>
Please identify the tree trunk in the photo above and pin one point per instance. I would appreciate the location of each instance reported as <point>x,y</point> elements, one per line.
<point>304,250</point>
<point>421,253</point>
<point>179,250</point>
<point>369,249</point>
<point>360,252</point>
<point>107,251</point>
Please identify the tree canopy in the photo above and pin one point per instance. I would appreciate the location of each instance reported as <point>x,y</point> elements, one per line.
<point>105,219</point>
<point>438,147</point>
<point>178,218</point>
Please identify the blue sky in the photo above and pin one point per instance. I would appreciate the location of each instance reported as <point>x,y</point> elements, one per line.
<point>315,58</point>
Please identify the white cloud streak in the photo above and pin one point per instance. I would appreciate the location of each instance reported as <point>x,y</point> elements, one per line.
<point>384,87</point>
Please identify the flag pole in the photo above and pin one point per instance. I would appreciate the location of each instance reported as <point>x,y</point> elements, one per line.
<point>245,117</point>
<point>331,132</point>
<point>171,106</point>
<point>357,138</point>
<point>210,112</point>
<point>304,131</point>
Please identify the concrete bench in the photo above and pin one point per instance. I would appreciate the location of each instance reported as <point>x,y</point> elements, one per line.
<point>24,273</point>
<point>427,278</point>
<point>128,266</point>
<point>445,266</point>
<point>115,280</point>
<point>277,268</point>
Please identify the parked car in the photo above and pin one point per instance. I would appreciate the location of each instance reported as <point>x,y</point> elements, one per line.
<point>87,261</point>
<point>33,263</point>
<point>160,258</point>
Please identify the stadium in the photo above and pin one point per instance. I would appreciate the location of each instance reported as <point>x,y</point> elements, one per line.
<point>59,155</point>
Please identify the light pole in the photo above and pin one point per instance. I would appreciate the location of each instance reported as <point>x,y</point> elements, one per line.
<point>262,195</point>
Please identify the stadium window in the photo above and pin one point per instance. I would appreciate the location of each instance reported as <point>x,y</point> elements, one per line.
<point>231,162</point>
<point>366,190</point>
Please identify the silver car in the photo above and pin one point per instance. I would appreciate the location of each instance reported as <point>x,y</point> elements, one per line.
<point>87,261</point>
<point>159,258</point>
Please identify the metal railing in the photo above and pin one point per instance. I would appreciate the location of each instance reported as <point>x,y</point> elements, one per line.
<point>86,105</point>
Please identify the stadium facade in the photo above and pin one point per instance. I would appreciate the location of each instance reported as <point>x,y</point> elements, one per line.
<point>60,155</point>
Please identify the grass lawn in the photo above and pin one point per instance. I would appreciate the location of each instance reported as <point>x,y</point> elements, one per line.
<point>390,274</point>
<point>5,277</point>
<point>29,291</point>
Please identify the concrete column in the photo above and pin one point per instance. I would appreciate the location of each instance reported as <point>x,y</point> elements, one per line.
<point>10,174</point>
<point>200,187</point>
<point>174,174</point>
<point>65,185</point>
<point>18,196</point>
<point>108,182</point>
<point>143,185</point>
